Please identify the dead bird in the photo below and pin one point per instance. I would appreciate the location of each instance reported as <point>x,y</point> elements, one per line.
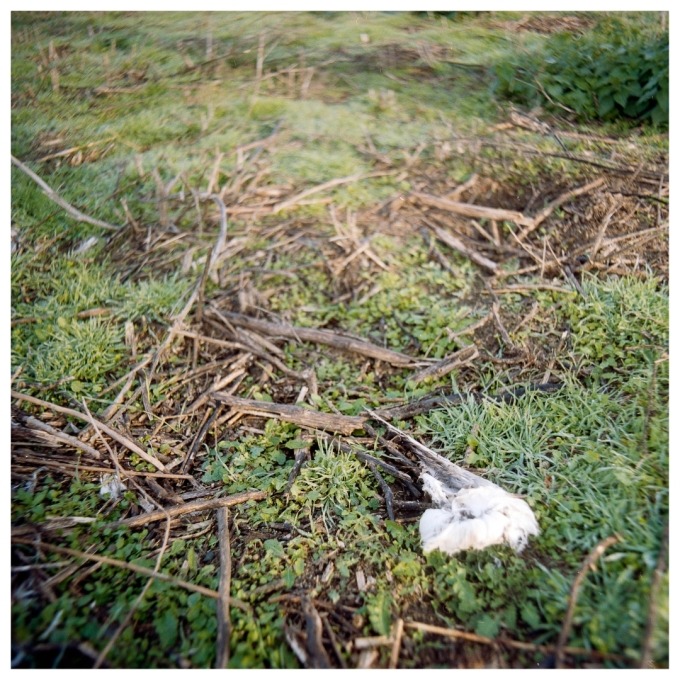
<point>474,518</point>
<point>470,513</point>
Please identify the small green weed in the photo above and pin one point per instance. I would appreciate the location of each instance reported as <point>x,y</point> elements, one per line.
<point>334,484</point>
<point>153,299</point>
<point>621,326</point>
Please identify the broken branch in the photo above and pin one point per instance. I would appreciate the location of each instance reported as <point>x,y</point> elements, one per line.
<point>471,210</point>
<point>323,337</point>
<point>563,198</point>
<point>447,364</point>
<point>47,433</point>
<point>456,244</point>
<point>196,506</point>
<point>330,422</point>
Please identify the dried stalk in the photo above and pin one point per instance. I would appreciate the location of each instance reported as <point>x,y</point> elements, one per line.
<point>48,433</point>
<point>593,556</point>
<point>318,658</point>
<point>130,566</point>
<point>223,617</point>
<point>508,642</point>
<point>64,466</point>
<point>396,644</point>
<point>456,477</point>
<point>56,198</point>
<point>529,287</point>
<point>495,312</point>
<point>293,414</point>
<point>529,223</point>
<point>456,244</point>
<point>389,496</point>
<point>198,439</point>
<point>125,441</point>
<point>324,337</point>
<point>447,364</point>
<point>603,228</point>
<point>471,210</point>
<point>560,200</point>
<point>196,506</point>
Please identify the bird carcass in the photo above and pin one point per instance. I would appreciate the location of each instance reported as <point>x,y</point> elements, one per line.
<point>469,513</point>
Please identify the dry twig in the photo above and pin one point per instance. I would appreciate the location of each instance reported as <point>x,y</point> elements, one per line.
<point>471,210</point>
<point>125,441</point>
<point>301,456</point>
<point>456,244</point>
<point>56,198</point>
<point>396,642</point>
<point>198,439</point>
<point>130,566</point>
<point>196,506</point>
<point>72,468</point>
<point>333,639</point>
<point>495,311</point>
<point>529,287</point>
<point>603,227</point>
<point>293,414</point>
<point>324,337</point>
<point>49,434</point>
<point>389,496</point>
<point>560,200</point>
<point>317,656</point>
<point>223,617</point>
<point>593,556</point>
<point>460,358</point>
<point>508,642</point>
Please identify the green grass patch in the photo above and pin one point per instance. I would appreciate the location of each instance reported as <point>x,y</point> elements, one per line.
<point>592,460</point>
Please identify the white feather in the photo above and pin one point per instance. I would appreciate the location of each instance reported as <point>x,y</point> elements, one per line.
<point>438,492</point>
<point>474,518</point>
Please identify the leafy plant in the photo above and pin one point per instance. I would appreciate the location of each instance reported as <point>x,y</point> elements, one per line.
<point>613,72</point>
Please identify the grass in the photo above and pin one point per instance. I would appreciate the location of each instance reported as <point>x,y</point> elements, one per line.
<point>591,458</point>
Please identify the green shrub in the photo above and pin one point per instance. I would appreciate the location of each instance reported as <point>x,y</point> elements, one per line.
<point>614,72</point>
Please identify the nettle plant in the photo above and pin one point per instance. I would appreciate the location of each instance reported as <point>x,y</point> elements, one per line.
<point>613,72</point>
